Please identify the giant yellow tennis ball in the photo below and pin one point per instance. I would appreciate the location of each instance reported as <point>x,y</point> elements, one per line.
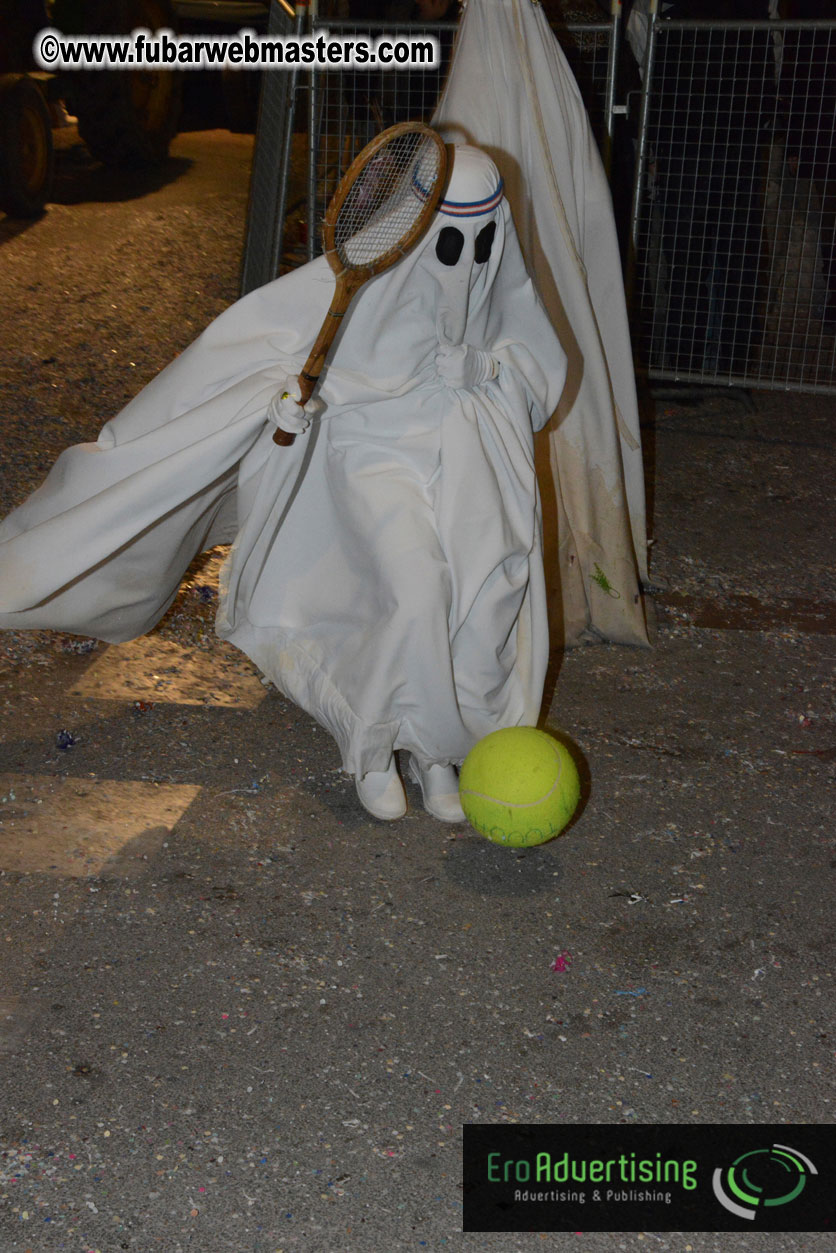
<point>519,787</point>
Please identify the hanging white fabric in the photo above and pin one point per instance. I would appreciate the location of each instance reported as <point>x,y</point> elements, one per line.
<point>510,90</point>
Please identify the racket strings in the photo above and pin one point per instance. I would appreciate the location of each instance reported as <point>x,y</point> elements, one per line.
<point>387,199</point>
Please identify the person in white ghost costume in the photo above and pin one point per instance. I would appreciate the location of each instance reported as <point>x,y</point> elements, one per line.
<point>385,571</point>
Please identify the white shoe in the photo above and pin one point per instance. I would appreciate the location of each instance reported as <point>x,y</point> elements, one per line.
<point>440,788</point>
<point>381,793</point>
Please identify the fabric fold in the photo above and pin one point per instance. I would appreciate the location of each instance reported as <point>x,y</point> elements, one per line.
<point>510,91</point>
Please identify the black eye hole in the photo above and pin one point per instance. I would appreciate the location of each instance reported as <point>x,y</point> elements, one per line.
<point>484,240</point>
<point>448,246</point>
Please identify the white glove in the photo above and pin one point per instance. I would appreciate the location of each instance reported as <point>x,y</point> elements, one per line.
<point>285,412</point>
<point>463,367</point>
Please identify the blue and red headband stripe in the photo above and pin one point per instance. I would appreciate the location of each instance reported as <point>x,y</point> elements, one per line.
<point>471,208</point>
<point>463,208</point>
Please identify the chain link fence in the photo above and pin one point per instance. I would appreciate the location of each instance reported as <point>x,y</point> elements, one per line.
<point>734,225</point>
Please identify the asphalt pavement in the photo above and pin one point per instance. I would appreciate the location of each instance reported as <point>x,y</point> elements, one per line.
<point>237,1014</point>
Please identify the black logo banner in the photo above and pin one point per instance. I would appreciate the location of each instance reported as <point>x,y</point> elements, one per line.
<point>653,1177</point>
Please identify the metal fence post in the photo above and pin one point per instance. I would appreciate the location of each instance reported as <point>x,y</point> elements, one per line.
<point>609,95</point>
<point>313,144</point>
<point>270,177</point>
<point>641,156</point>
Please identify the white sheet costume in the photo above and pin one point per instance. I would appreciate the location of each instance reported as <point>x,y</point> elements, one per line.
<point>386,569</point>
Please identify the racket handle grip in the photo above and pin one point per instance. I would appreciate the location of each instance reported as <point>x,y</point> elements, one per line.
<point>307,382</point>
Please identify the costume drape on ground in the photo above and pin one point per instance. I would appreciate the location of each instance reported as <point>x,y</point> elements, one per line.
<point>510,90</point>
<point>386,570</point>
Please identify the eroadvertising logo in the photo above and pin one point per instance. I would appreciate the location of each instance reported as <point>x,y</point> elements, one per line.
<point>769,1177</point>
<point>655,1177</point>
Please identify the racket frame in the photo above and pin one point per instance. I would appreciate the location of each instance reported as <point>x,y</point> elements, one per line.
<point>349,278</point>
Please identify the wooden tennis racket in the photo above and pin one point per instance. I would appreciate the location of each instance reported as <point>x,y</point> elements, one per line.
<point>383,205</point>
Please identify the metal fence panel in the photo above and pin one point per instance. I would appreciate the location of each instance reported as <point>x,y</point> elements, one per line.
<point>735,209</point>
<point>346,107</point>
